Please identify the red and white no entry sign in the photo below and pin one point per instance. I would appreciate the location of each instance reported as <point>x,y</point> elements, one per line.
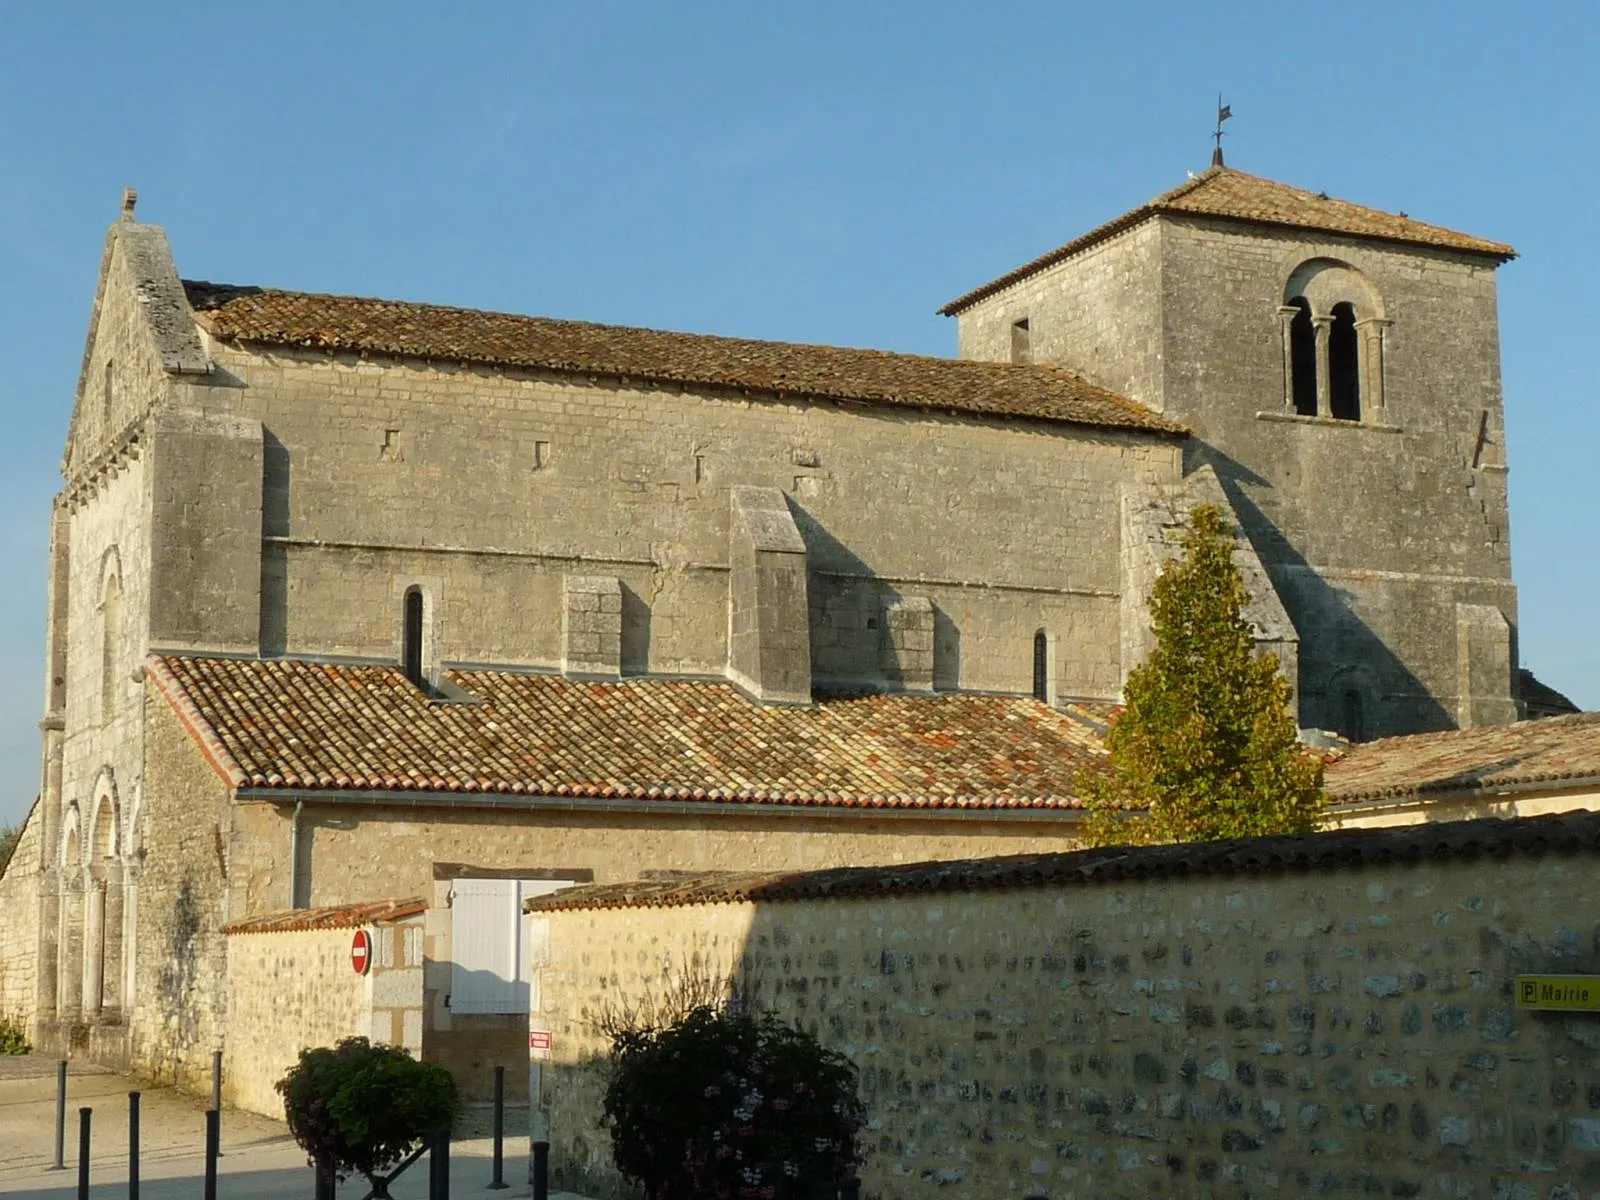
<point>361,951</point>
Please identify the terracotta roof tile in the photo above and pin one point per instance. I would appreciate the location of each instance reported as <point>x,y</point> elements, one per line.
<point>264,316</point>
<point>298,725</point>
<point>1224,192</point>
<point>1577,832</point>
<point>1468,760</point>
<point>344,916</point>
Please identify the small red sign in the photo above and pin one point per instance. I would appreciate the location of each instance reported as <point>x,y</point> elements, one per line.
<point>539,1039</point>
<point>361,951</point>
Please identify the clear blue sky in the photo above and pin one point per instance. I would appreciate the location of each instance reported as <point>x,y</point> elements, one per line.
<point>812,171</point>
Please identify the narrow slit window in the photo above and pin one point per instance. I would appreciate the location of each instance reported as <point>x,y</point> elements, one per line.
<point>108,396</point>
<point>1041,667</point>
<point>110,652</point>
<point>1303,359</point>
<point>1021,342</point>
<point>411,650</point>
<point>1344,365</point>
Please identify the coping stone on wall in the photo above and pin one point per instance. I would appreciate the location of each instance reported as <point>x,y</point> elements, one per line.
<point>1571,832</point>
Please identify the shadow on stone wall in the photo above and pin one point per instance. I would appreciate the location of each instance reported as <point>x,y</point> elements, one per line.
<point>635,632</point>
<point>1339,652</point>
<point>1345,1031</point>
<point>847,603</point>
<point>275,522</point>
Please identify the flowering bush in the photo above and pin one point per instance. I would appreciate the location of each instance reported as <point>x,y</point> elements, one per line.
<point>360,1107</point>
<point>724,1106</point>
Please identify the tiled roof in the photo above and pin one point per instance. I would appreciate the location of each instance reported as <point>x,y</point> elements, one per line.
<point>344,916</point>
<point>1224,192</point>
<point>264,316</point>
<point>297,725</point>
<point>1469,760</point>
<point>1559,833</point>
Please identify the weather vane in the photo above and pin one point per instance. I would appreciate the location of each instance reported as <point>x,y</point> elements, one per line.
<point>1223,113</point>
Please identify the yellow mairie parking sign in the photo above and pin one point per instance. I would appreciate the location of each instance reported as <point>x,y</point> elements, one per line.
<point>1572,993</point>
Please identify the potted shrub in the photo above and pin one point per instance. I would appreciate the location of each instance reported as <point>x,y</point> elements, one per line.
<point>360,1107</point>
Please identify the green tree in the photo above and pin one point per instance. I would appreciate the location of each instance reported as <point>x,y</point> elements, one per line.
<point>1205,746</point>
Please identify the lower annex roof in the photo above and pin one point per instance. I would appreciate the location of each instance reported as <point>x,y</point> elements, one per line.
<point>295,725</point>
<point>1522,754</point>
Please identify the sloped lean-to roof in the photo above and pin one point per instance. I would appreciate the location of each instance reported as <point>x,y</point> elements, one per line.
<point>1561,833</point>
<point>1234,195</point>
<point>342,916</point>
<point>295,726</point>
<point>267,317</point>
<point>1521,755</point>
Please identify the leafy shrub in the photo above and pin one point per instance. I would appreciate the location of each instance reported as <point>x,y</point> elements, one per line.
<point>721,1105</point>
<point>14,1036</point>
<point>363,1107</point>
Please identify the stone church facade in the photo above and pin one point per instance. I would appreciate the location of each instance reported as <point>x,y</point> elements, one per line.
<point>353,599</point>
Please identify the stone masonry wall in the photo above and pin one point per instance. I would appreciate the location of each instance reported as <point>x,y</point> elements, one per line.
<point>488,488</point>
<point>1098,312</point>
<point>19,923</point>
<point>1373,533</point>
<point>357,853</point>
<point>180,970</point>
<point>287,991</point>
<point>293,989</point>
<point>1345,1032</point>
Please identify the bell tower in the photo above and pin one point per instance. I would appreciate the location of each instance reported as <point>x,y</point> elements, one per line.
<point>1339,368</point>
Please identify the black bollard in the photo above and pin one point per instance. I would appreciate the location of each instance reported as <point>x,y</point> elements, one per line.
<point>83,1153</point>
<point>499,1180</point>
<point>216,1091</point>
<point>133,1146</point>
<point>61,1116</point>
<point>439,1166</point>
<point>541,1171</point>
<point>213,1145</point>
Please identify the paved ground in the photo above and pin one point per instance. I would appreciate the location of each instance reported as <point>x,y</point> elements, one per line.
<point>259,1159</point>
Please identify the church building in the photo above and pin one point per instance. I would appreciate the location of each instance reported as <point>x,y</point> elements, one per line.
<point>356,600</point>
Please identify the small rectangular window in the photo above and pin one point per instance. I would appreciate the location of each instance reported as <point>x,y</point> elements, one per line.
<point>1021,342</point>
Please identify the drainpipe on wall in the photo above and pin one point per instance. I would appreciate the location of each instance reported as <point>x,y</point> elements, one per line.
<point>294,855</point>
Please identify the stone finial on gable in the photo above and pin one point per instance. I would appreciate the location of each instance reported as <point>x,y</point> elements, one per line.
<point>591,626</point>
<point>130,197</point>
